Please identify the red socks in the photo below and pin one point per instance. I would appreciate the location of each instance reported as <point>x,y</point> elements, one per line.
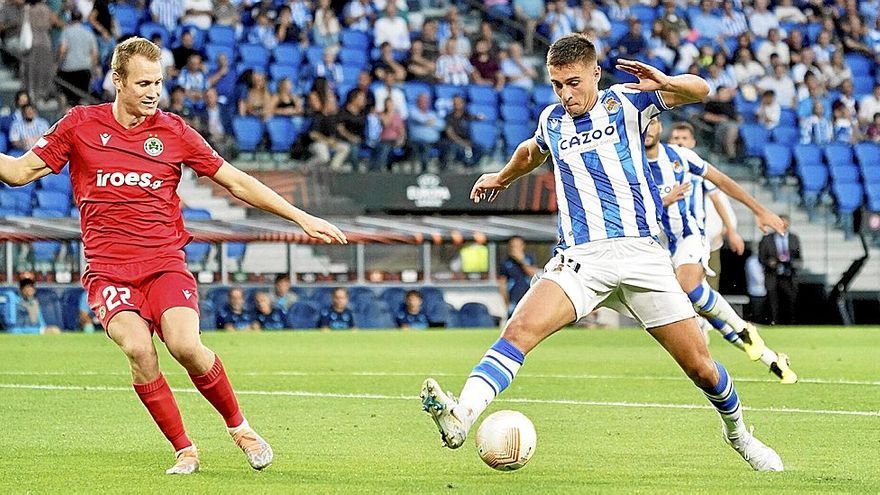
<point>215,386</point>
<point>159,401</point>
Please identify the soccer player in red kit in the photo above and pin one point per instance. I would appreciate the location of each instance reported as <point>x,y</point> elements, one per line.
<point>125,164</point>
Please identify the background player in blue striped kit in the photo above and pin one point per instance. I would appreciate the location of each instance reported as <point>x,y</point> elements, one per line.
<point>607,254</point>
<point>681,175</point>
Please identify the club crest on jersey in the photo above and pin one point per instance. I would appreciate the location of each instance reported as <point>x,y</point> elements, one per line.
<point>554,123</point>
<point>612,106</point>
<point>102,311</point>
<point>677,167</point>
<point>153,146</point>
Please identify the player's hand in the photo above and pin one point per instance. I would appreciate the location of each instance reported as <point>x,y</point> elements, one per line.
<point>677,193</point>
<point>737,245</point>
<point>650,78</point>
<point>768,221</point>
<point>487,188</point>
<point>318,228</point>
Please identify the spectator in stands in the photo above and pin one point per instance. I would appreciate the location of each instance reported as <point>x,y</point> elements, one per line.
<point>11,15</point>
<point>823,48</point>
<point>419,67</point>
<point>352,124</point>
<point>587,16</point>
<point>387,63</point>
<point>872,39</point>
<point>364,81</point>
<point>462,43</point>
<point>755,286</point>
<point>24,133</point>
<point>846,128</point>
<point>286,103</point>
<point>671,21</point>
<point>557,23</point>
<point>721,114</point>
<point>101,21</point>
<point>656,44</point>
<point>268,316</point>
<point>686,52</point>
<point>22,99</point>
<point>733,22</point>
<point>198,13</point>
<point>515,274</point>
<point>329,69</point>
<point>803,63</point>
<point>338,316</point>
<point>761,20</point>
<point>301,13</point>
<point>516,70</point>
<point>282,297</point>
<point>816,129</point>
<point>457,147</point>
<point>706,23</point>
<point>359,15</point>
<point>87,319</point>
<point>873,132</point>
<point>167,13</point>
<point>318,96</point>
<point>444,27</point>
<point>780,254</point>
<point>227,14</point>
<point>256,102</point>
<point>745,69</point>
<point>719,74</point>
<point>213,123</point>
<point>264,32</point>
<point>186,49</point>
<point>619,10</point>
<point>178,104</point>
<point>285,29</point>
<point>782,85</point>
<point>393,134</point>
<point>769,111</point>
<point>428,37</point>
<point>786,11</point>
<point>853,36</point>
<point>773,44</point>
<point>529,13</point>
<point>487,69</point>
<point>29,317</point>
<point>453,68</point>
<point>78,58</point>
<point>810,92</point>
<point>796,42</point>
<point>393,29</point>
<point>424,129</point>
<point>837,71</point>
<point>869,105</point>
<point>325,29</point>
<point>600,45</point>
<point>846,97</point>
<point>233,315</point>
<point>411,315</point>
<point>327,147</point>
<point>498,9</point>
<point>194,81</point>
<point>38,64</point>
<point>633,43</point>
<point>487,32</point>
<point>166,59</point>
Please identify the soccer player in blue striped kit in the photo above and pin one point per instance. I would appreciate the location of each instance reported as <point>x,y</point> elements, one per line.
<point>684,179</point>
<point>608,253</point>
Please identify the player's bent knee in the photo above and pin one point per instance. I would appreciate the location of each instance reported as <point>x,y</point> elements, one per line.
<point>704,374</point>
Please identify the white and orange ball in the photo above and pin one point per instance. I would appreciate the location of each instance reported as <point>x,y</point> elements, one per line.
<point>506,440</point>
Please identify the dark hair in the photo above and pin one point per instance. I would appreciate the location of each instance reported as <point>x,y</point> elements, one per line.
<point>337,289</point>
<point>26,282</point>
<point>413,293</point>
<point>76,16</point>
<point>282,276</point>
<point>767,93</point>
<point>571,49</point>
<point>684,126</point>
<point>514,237</point>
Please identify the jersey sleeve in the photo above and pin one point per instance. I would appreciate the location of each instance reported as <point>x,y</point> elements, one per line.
<point>201,157</point>
<point>55,147</point>
<point>648,104</point>
<point>696,165</point>
<point>540,132</point>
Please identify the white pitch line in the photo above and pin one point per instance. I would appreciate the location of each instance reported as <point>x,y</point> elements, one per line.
<point>332,395</point>
<point>561,376</point>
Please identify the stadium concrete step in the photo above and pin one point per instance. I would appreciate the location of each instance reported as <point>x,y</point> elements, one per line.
<point>197,195</point>
<point>267,257</point>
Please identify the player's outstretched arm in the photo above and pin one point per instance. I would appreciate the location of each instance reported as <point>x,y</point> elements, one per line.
<point>675,90</point>
<point>259,195</point>
<point>766,218</point>
<point>737,245</point>
<point>22,170</point>
<point>527,157</point>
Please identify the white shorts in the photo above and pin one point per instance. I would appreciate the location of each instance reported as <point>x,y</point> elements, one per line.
<point>693,250</point>
<point>629,275</point>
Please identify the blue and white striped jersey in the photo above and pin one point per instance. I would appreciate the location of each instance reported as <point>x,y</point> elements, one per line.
<point>677,165</point>
<point>604,188</point>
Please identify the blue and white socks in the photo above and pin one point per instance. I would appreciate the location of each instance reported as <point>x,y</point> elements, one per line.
<point>709,303</point>
<point>489,378</point>
<point>723,396</point>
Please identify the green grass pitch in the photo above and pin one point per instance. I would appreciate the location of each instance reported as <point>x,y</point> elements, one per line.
<point>342,414</point>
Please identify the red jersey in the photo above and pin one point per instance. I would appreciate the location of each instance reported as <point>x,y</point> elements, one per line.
<point>125,180</point>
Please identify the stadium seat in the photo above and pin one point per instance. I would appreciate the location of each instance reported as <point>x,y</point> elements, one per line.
<point>484,136</point>
<point>217,296</point>
<point>50,200</point>
<point>282,134</point>
<point>867,154</point>
<point>475,315</point>
<point>302,315</point>
<point>374,316</point>
<point>8,306</point>
<point>214,50</point>
<point>543,95</point>
<point>195,214</point>
<point>858,64</point>
<point>485,95</point>
<point>222,35</point>
<point>350,74</point>
<point>197,252</point>
<point>862,85</point>
<point>127,18</point>
<point>207,316</point>
<point>838,154</point>
<point>412,90</point>
<point>57,183</point>
<point>872,191</point>
<point>148,29</point>
<point>70,307</point>
<point>48,213</point>
<point>515,95</point>
<point>353,56</point>
<point>431,297</point>
<point>788,118</point>
<point>279,72</point>
<point>17,199</point>
<point>618,29</point>
<point>871,174</point>
<point>248,132</point>
<point>514,134</point>
<point>322,296</point>
<point>4,142</point>
<point>487,113</point>
<point>807,154</point>
<point>848,197</point>
<point>813,178</point>
<point>253,55</point>
<point>514,114</point>
<point>50,307</point>
<point>45,251</point>
<point>754,136</point>
<point>393,297</point>
<point>777,159</point>
<point>355,39</point>
<point>235,250</point>
<point>644,13</point>
<point>448,91</point>
<point>289,54</point>
<point>785,135</point>
<point>314,55</point>
<point>844,174</point>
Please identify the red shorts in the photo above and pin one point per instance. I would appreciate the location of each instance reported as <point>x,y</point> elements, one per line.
<point>148,288</point>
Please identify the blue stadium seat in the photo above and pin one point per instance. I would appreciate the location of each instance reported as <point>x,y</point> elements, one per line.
<point>431,297</point>
<point>350,74</point>
<point>871,174</point>
<point>374,316</point>
<point>50,200</point>
<point>412,90</point>
<point>484,136</point>
<point>8,306</point>
<point>17,199</point>
<point>393,297</point>
<point>48,213</point>
<point>222,35</point>
<point>862,85</point>
<point>248,132</point>
<point>45,251</point>
<point>302,315</point>
<point>813,31</point>
<point>282,134</point>
<point>289,54</point>
<point>786,136</point>
<point>235,250</point>
<point>848,196</point>
<point>314,55</point>
<point>777,159</point>
<point>127,18</point>
<point>814,178</point>
<point>70,307</point>
<point>148,29</point>
<point>8,212</point>
<point>644,13</point>
<point>355,39</point>
<point>5,124</point>
<point>618,29</point>
<point>515,95</point>
<point>353,56</point>
<point>543,95</point>
<point>475,315</point>
<point>279,72</point>
<point>807,154</point>
<point>253,55</point>
<point>217,296</point>
<point>195,214</point>
<point>872,191</point>
<point>867,154</point>
<point>213,52</point>
<point>50,307</point>
<point>57,183</point>
<point>514,114</point>
<point>844,173</point>
<point>485,95</point>
<point>363,295</point>
<point>754,136</point>
<point>488,113</point>
<point>788,118</point>
<point>448,91</point>
<point>197,252</point>
<point>4,142</point>
<point>207,316</point>
<point>322,296</point>
<point>514,134</point>
<point>860,65</point>
<point>838,154</point>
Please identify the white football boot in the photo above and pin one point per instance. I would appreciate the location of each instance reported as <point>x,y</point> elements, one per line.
<point>441,406</point>
<point>758,455</point>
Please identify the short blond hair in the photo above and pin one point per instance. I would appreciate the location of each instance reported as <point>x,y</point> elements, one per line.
<point>129,48</point>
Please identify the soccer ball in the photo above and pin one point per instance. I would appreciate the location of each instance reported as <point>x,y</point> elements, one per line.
<point>506,440</point>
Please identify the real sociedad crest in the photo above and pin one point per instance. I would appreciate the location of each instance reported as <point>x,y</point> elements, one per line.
<point>677,167</point>
<point>612,106</point>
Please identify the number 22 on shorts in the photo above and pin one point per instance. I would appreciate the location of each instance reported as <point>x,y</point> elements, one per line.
<point>114,296</point>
